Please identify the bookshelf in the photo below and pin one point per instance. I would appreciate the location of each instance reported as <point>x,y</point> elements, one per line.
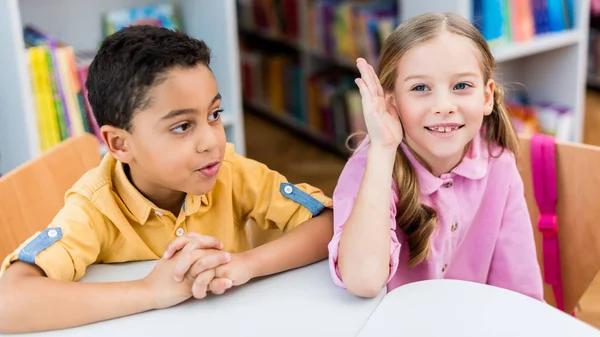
<point>548,68</point>
<point>593,75</point>
<point>79,23</point>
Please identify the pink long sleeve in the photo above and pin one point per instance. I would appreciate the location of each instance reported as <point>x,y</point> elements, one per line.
<point>344,197</point>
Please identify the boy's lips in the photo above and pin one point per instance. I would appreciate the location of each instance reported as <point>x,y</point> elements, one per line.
<point>211,169</point>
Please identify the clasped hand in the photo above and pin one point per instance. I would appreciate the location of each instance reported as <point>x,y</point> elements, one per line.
<point>194,265</point>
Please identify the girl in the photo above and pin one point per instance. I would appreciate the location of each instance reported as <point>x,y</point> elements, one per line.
<point>433,191</point>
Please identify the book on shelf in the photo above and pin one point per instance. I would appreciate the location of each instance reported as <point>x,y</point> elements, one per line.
<point>505,21</point>
<point>57,88</point>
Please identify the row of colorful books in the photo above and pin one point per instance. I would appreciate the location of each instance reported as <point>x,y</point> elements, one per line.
<point>58,73</point>
<point>506,21</point>
<point>325,102</point>
<point>57,76</point>
<point>335,28</point>
<point>351,29</point>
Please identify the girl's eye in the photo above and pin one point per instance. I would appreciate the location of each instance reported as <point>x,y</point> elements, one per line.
<point>461,86</point>
<point>181,128</point>
<point>419,87</point>
<point>215,115</point>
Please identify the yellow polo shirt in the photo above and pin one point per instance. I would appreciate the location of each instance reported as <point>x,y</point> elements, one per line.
<point>105,219</point>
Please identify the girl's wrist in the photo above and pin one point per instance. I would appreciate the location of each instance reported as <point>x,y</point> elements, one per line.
<point>381,152</point>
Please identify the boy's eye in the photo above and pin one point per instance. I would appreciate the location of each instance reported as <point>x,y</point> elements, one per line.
<point>181,128</point>
<point>215,115</point>
<point>419,87</point>
<point>461,86</point>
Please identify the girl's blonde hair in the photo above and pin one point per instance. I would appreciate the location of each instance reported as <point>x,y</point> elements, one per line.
<point>417,220</point>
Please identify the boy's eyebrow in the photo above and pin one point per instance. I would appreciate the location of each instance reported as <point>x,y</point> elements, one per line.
<point>216,98</point>
<point>175,113</point>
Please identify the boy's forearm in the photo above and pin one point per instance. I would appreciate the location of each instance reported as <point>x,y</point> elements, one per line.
<point>302,246</point>
<point>36,303</point>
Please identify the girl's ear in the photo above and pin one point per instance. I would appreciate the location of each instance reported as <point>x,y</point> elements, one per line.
<point>489,97</point>
<point>390,103</point>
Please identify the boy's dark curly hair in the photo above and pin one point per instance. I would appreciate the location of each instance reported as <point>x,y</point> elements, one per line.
<point>130,62</point>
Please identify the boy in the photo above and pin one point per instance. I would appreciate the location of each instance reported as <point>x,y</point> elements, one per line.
<point>169,176</point>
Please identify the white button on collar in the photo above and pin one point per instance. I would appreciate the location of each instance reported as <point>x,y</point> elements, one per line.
<point>159,213</point>
<point>52,233</point>
<point>288,189</point>
<point>179,231</point>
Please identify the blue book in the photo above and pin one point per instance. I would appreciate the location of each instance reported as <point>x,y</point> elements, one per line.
<point>556,15</point>
<point>492,20</point>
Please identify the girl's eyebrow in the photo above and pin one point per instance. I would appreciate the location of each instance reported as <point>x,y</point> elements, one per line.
<point>410,77</point>
<point>466,74</point>
<point>462,74</point>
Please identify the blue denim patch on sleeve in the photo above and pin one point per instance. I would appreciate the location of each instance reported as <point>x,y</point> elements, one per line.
<point>292,192</point>
<point>42,241</point>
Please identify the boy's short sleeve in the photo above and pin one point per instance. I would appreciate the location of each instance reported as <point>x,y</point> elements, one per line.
<point>267,198</point>
<point>67,246</point>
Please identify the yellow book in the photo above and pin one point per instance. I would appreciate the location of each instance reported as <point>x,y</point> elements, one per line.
<point>44,100</point>
<point>36,90</point>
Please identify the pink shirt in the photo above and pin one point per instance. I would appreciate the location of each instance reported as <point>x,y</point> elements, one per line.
<point>484,232</point>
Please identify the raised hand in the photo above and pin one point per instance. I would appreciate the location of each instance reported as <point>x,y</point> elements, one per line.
<point>383,126</point>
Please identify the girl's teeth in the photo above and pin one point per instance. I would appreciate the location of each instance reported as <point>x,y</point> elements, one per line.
<point>443,129</point>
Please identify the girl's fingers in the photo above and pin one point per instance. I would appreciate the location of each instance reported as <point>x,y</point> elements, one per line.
<point>375,85</point>
<point>371,79</point>
<point>364,70</point>
<point>378,83</point>
<point>362,87</point>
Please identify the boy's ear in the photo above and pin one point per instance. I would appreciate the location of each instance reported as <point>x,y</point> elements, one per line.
<point>488,105</point>
<point>116,141</point>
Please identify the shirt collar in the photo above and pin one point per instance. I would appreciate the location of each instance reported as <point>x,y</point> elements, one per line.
<point>473,166</point>
<point>139,206</point>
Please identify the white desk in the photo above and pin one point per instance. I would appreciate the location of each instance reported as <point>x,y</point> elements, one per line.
<point>458,308</point>
<point>302,302</point>
<point>305,302</point>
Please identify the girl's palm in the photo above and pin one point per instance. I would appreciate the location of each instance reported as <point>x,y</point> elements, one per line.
<point>384,128</point>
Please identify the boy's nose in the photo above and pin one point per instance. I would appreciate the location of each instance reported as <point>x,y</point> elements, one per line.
<point>206,141</point>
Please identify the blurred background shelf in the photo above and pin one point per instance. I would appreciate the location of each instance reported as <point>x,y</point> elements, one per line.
<point>80,25</point>
<point>540,44</point>
<point>283,119</point>
<point>299,57</point>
